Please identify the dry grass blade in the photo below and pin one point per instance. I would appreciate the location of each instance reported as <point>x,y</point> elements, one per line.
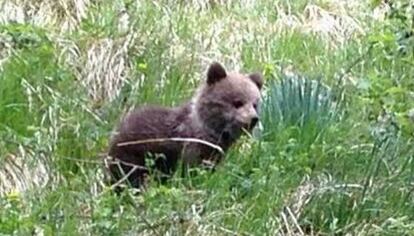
<point>293,209</point>
<point>19,175</point>
<point>336,25</point>
<point>339,27</point>
<point>11,12</point>
<point>66,14</point>
<point>295,221</point>
<point>105,68</point>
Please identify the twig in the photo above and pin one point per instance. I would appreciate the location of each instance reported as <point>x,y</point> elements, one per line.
<point>119,182</point>
<point>161,140</point>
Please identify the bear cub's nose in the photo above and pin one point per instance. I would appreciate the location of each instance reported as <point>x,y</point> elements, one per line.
<point>253,122</point>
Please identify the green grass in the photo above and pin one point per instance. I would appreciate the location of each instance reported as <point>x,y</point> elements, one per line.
<point>68,72</point>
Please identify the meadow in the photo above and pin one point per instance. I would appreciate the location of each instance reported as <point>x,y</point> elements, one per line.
<point>334,153</point>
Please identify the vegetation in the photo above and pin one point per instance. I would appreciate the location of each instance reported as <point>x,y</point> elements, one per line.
<point>334,153</point>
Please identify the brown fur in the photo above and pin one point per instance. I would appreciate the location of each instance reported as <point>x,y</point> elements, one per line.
<point>222,107</point>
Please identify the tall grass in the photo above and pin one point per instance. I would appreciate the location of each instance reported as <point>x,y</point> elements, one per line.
<point>334,157</point>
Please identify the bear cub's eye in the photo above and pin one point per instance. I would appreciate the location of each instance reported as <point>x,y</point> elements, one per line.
<point>255,106</point>
<point>238,103</point>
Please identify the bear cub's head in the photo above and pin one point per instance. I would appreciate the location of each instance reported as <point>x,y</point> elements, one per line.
<point>227,103</point>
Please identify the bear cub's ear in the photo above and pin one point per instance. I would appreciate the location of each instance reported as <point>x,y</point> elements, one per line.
<point>215,73</point>
<point>257,79</point>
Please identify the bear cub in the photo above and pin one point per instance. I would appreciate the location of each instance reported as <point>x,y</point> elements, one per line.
<point>224,106</point>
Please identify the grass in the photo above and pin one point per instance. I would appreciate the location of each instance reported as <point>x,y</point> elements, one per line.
<point>68,69</point>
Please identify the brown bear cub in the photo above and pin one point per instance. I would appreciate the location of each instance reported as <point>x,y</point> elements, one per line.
<point>224,106</point>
